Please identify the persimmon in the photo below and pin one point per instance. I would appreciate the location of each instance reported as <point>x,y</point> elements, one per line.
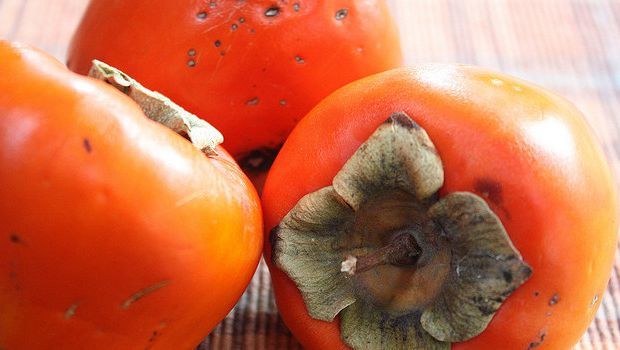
<point>115,231</point>
<point>440,207</point>
<point>252,68</point>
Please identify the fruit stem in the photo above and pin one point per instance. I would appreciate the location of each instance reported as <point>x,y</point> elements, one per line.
<point>402,250</point>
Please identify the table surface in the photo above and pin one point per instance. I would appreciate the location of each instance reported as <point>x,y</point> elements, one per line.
<point>571,47</point>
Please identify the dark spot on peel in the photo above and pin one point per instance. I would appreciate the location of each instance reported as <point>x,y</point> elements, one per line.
<point>234,27</point>
<point>201,15</point>
<point>253,101</point>
<point>143,293</point>
<point>537,343</point>
<point>152,339</point>
<point>536,293</point>
<point>191,52</point>
<point>490,189</point>
<point>213,4</point>
<point>554,299</point>
<point>191,63</point>
<point>296,7</point>
<point>15,238</point>
<point>241,20</point>
<point>87,146</point>
<point>299,60</point>
<point>282,102</point>
<point>402,119</point>
<point>217,43</point>
<point>153,336</point>
<point>342,14</point>
<point>272,11</point>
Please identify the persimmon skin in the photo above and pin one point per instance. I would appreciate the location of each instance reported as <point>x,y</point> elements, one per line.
<point>100,203</point>
<point>251,75</point>
<point>527,152</point>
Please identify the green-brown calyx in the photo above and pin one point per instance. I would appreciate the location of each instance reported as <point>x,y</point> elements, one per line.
<point>403,268</point>
<point>161,109</point>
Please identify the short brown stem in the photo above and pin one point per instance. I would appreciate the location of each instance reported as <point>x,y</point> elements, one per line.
<point>402,250</point>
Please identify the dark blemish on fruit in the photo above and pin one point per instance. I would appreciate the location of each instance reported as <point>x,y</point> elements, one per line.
<point>201,15</point>
<point>342,14</point>
<point>87,146</point>
<point>191,63</point>
<point>152,339</point>
<point>217,43</point>
<point>15,238</point>
<point>252,30</point>
<point>241,20</point>
<point>554,299</point>
<point>153,336</point>
<point>299,60</point>
<point>191,52</point>
<point>252,102</point>
<point>272,11</point>
<point>296,7</point>
<point>282,102</point>
<point>538,342</point>
<point>222,53</point>
<point>490,189</point>
<point>234,27</point>
<point>536,294</point>
<point>143,292</point>
<point>212,4</point>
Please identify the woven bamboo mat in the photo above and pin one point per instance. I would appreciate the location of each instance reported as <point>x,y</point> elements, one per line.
<point>569,46</point>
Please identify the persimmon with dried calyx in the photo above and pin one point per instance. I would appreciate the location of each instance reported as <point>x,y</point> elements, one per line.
<point>116,232</point>
<point>253,68</point>
<point>440,207</point>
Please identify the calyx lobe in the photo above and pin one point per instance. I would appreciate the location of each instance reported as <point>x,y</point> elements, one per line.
<point>161,109</point>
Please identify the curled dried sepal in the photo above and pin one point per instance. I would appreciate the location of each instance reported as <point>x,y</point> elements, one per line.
<point>364,326</point>
<point>486,268</point>
<point>397,156</point>
<point>403,269</point>
<point>161,109</point>
<point>304,247</point>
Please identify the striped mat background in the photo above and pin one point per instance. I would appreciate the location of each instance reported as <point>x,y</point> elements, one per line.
<point>569,46</point>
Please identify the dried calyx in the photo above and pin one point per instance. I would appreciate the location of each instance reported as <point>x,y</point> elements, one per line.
<point>161,109</point>
<point>403,268</point>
